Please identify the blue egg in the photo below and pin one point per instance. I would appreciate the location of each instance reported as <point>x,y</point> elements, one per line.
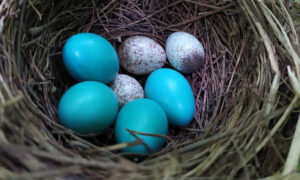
<point>142,115</point>
<point>172,91</point>
<point>90,57</point>
<point>88,108</point>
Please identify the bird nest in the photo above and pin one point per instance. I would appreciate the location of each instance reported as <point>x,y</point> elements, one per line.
<point>246,93</point>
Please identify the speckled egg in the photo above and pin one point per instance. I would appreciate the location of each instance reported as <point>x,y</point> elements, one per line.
<point>173,93</point>
<point>142,115</point>
<point>126,89</point>
<point>90,57</point>
<point>141,55</point>
<point>88,108</point>
<point>185,52</point>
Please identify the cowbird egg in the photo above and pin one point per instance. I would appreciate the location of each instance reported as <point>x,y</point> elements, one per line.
<point>126,89</point>
<point>88,108</point>
<point>141,55</point>
<point>185,52</point>
<point>90,57</point>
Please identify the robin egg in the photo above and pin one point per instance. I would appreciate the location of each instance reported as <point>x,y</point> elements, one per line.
<point>126,89</point>
<point>88,108</point>
<point>185,52</point>
<point>173,93</point>
<point>90,57</point>
<point>141,55</point>
<point>145,116</point>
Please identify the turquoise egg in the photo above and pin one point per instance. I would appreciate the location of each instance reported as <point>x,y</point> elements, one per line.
<point>172,91</point>
<point>88,108</point>
<point>90,57</point>
<point>142,115</point>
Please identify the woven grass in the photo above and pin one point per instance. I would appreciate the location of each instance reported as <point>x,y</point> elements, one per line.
<point>247,94</point>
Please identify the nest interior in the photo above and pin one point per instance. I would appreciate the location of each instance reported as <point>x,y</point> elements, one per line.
<point>246,93</point>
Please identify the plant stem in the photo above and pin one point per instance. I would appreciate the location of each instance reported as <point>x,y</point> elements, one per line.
<point>294,153</point>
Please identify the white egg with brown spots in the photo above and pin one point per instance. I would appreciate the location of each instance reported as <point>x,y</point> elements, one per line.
<point>185,52</point>
<point>126,89</point>
<point>141,55</point>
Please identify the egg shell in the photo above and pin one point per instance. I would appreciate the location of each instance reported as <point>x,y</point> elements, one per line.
<point>142,115</point>
<point>88,108</point>
<point>185,52</point>
<point>173,93</point>
<point>126,89</point>
<point>141,55</point>
<point>88,56</point>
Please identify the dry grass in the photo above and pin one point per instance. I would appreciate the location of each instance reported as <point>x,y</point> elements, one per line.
<point>247,94</point>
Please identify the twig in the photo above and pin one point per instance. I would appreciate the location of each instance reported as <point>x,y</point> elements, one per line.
<point>35,9</point>
<point>294,153</point>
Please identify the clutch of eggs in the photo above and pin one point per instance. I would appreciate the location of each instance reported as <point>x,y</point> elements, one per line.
<point>90,107</point>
